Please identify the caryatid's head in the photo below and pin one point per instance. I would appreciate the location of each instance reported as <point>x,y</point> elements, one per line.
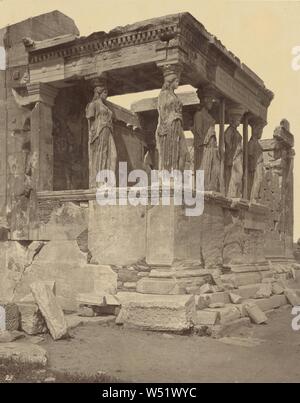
<point>101,92</point>
<point>100,89</point>
<point>206,95</point>
<point>257,129</point>
<point>171,77</point>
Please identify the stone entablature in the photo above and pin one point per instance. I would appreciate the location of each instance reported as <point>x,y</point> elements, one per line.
<point>172,39</point>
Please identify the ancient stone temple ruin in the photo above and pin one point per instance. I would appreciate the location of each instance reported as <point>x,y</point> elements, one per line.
<point>166,270</point>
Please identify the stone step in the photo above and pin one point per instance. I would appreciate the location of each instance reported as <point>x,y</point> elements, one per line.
<point>159,286</point>
<point>243,279</point>
<point>250,268</point>
<point>168,286</point>
<point>179,273</point>
<point>251,290</point>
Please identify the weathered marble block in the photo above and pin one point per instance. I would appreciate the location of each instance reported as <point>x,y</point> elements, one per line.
<point>173,313</point>
<point>32,321</point>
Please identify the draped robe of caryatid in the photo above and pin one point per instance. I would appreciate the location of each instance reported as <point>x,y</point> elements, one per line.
<point>170,140</point>
<point>255,169</point>
<point>206,152</point>
<point>233,163</point>
<point>103,154</point>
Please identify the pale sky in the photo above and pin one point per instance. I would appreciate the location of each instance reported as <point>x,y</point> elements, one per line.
<point>261,33</point>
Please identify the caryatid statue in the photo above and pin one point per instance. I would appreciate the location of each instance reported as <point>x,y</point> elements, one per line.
<point>102,148</point>
<point>170,140</point>
<point>234,154</point>
<point>206,152</point>
<point>255,161</point>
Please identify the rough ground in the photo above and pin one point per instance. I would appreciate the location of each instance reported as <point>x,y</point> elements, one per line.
<point>13,372</point>
<point>136,356</point>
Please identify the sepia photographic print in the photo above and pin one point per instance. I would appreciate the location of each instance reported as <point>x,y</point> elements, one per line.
<point>149,200</point>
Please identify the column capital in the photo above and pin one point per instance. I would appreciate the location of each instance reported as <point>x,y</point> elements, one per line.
<point>208,90</point>
<point>41,92</point>
<point>256,121</point>
<point>236,110</point>
<point>170,69</point>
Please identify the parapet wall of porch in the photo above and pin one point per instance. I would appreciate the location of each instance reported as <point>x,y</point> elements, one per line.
<point>228,232</point>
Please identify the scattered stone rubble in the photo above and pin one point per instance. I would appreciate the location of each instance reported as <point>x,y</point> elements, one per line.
<point>40,312</point>
<point>178,299</point>
<point>212,302</point>
<point>35,314</point>
<point>214,305</point>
